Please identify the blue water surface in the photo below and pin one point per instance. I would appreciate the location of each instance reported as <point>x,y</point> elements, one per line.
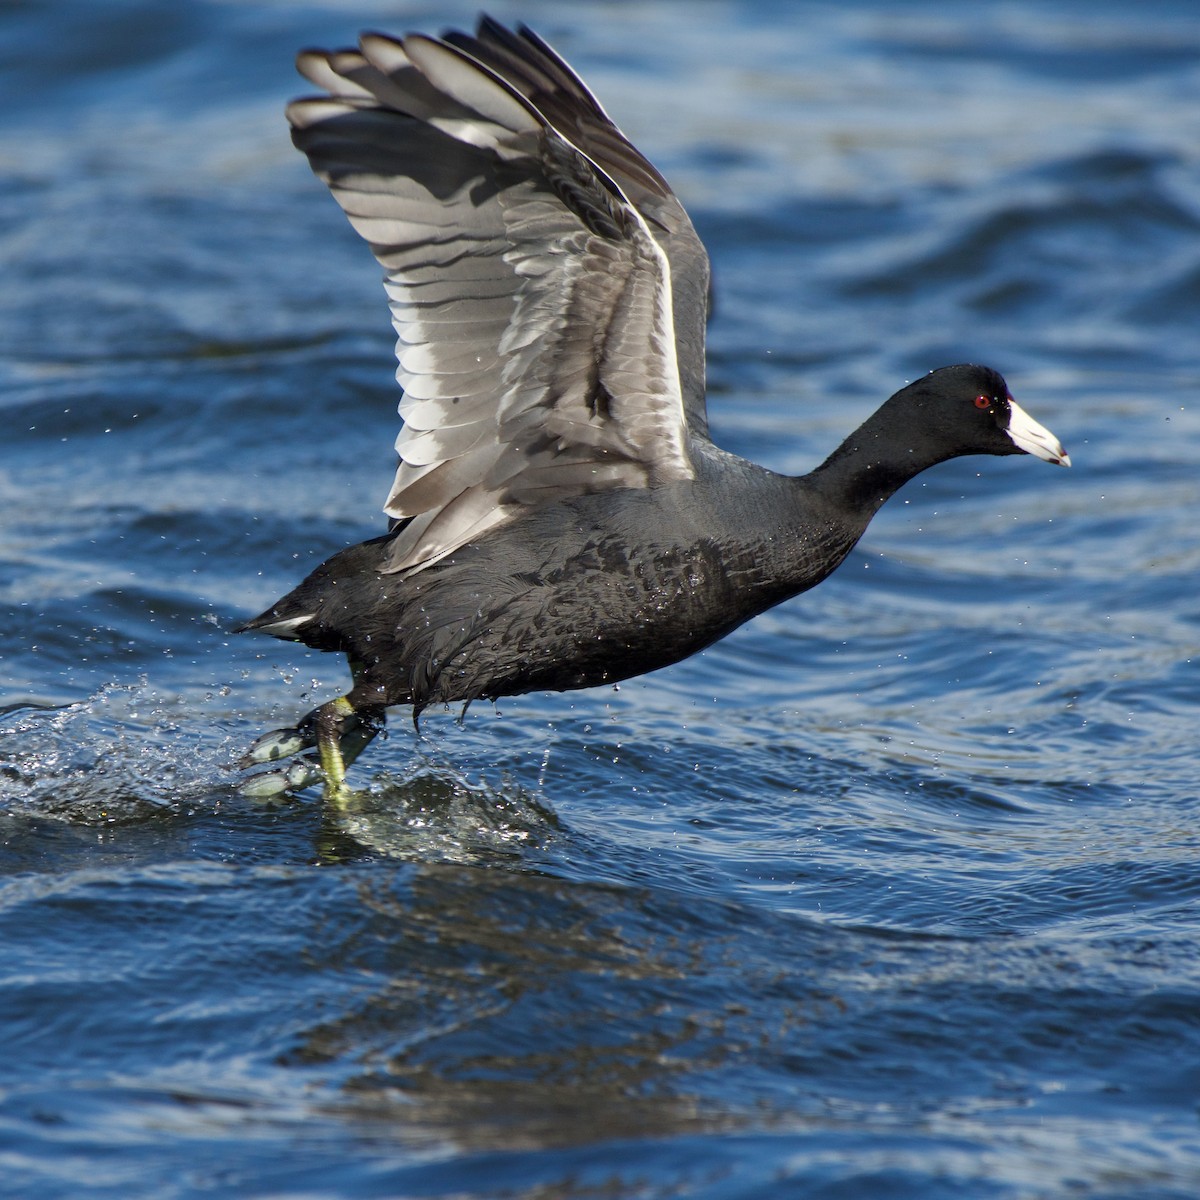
<point>893,893</point>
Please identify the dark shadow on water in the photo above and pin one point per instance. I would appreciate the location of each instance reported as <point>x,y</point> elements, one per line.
<point>513,1012</point>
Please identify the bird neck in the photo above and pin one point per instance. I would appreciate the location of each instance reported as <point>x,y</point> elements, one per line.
<point>873,463</point>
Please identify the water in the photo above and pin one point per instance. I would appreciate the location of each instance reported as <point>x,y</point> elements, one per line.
<point>893,893</point>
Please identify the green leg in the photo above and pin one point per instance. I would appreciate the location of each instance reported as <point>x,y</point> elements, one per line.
<point>330,719</point>
<point>343,733</point>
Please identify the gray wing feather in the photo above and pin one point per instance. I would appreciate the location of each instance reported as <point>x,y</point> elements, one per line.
<point>533,303</point>
<point>533,68</point>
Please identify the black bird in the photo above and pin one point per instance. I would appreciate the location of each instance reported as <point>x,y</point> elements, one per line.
<point>559,516</point>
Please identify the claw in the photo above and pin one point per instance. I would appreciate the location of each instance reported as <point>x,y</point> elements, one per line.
<point>294,778</point>
<point>279,743</point>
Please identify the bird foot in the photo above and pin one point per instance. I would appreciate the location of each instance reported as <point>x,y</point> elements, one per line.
<point>266,785</point>
<point>280,743</point>
<point>339,733</point>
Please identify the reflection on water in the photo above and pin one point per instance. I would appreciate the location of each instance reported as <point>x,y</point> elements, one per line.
<point>437,816</point>
<point>507,1034</point>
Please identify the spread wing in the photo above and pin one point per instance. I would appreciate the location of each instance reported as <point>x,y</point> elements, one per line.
<point>528,64</point>
<point>529,256</point>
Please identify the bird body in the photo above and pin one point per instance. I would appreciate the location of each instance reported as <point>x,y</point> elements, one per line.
<point>657,573</point>
<point>560,517</point>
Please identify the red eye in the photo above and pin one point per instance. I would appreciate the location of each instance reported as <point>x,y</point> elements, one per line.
<point>983,402</point>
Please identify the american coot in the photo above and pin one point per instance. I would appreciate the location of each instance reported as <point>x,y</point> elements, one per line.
<point>559,516</point>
